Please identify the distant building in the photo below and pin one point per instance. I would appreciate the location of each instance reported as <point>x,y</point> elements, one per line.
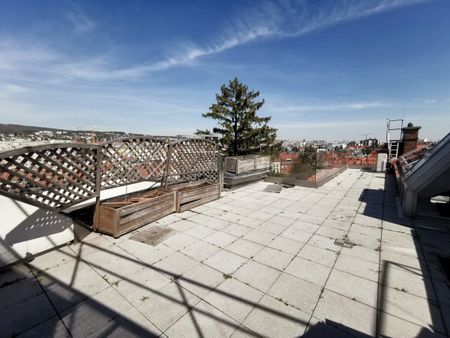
<point>370,142</point>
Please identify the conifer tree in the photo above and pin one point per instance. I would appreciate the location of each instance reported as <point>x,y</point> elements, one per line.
<point>241,129</point>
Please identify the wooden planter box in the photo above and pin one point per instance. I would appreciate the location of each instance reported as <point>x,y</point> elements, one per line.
<point>192,194</point>
<point>240,164</point>
<point>243,164</point>
<point>119,216</point>
<point>262,162</point>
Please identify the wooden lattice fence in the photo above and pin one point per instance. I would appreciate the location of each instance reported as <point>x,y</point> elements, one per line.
<point>131,160</point>
<point>56,176</point>
<point>51,176</point>
<point>193,160</point>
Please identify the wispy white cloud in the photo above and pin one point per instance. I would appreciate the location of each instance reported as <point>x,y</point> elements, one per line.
<point>349,106</point>
<point>80,21</point>
<point>325,124</point>
<point>13,88</point>
<point>276,19</point>
<point>302,18</point>
<point>330,129</point>
<point>99,69</point>
<point>19,55</point>
<point>266,20</point>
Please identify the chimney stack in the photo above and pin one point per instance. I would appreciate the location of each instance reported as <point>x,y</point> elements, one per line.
<point>410,137</point>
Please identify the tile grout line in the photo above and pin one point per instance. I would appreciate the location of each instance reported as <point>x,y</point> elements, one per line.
<point>339,252</point>
<point>438,303</point>
<point>236,269</point>
<point>51,303</point>
<point>120,294</point>
<point>265,293</point>
<point>379,283</point>
<point>382,285</point>
<point>201,299</point>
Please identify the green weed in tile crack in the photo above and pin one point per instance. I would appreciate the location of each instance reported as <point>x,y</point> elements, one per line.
<point>227,276</point>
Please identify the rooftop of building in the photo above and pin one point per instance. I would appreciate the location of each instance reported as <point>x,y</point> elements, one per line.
<point>252,263</point>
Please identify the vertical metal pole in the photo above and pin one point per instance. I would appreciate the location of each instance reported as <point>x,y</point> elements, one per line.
<point>167,171</point>
<point>98,186</point>
<point>220,171</point>
<point>315,168</point>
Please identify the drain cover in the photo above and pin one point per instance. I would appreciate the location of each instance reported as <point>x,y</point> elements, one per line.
<point>273,188</point>
<point>344,242</point>
<point>152,236</point>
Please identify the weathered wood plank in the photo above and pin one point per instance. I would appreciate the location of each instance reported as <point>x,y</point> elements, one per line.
<point>168,205</point>
<point>129,215</point>
<point>190,193</point>
<point>197,203</point>
<point>197,189</point>
<point>242,164</point>
<point>262,162</point>
<point>146,204</point>
<point>116,204</point>
<point>43,147</point>
<point>189,196</point>
<point>185,199</point>
<point>106,220</point>
<point>151,217</point>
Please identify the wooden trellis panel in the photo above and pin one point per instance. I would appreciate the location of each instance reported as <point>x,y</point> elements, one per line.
<point>131,160</point>
<point>193,160</point>
<point>55,176</point>
<point>50,176</point>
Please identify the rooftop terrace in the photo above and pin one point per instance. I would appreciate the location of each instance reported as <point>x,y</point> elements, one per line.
<point>250,264</point>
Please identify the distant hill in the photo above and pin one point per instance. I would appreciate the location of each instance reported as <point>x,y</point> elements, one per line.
<point>18,128</point>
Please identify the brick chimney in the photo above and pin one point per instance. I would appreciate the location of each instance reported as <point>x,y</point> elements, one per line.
<point>410,137</point>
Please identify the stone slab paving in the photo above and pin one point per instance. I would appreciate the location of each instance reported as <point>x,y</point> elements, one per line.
<point>250,264</point>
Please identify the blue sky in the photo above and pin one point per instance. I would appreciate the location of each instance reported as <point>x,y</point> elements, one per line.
<point>327,69</point>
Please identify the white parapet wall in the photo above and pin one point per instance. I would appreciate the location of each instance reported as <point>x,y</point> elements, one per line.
<point>27,230</point>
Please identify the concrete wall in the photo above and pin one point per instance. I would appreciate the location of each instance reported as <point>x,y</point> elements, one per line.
<point>27,230</point>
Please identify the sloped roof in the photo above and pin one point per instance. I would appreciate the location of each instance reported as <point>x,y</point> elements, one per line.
<point>409,160</point>
<point>423,166</point>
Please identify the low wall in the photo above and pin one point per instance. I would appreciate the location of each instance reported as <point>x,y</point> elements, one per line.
<point>245,164</point>
<point>27,230</point>
<point>329,177</point>
<point>363,167</point>
<point>231,180</point>
<point>305,183</point>
<point>289,180</point>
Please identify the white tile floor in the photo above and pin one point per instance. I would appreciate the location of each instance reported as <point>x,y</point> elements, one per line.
<point>250,264</point>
